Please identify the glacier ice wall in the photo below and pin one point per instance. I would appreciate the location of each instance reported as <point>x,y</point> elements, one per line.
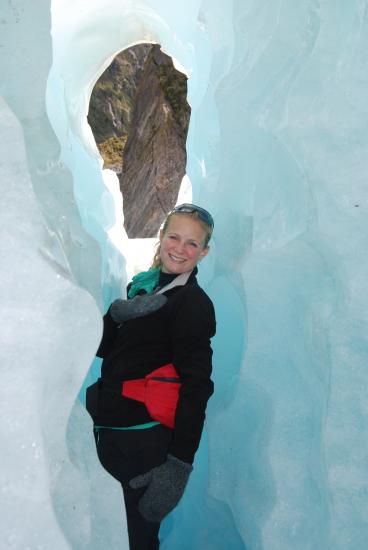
<point>277,150</point>
<point>50,477</point>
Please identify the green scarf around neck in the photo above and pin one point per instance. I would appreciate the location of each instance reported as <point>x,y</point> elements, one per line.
<point>145,280</point>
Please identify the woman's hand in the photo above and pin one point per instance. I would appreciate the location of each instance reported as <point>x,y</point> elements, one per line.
<point>165,487</point>
<point>123,310</point>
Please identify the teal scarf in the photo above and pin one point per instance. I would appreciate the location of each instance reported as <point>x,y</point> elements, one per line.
<point>146,280</point>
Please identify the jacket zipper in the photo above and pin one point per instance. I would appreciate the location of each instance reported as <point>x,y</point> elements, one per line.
<point>176,380</point>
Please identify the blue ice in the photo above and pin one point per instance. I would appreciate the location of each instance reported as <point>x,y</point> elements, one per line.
<point>277,150</point>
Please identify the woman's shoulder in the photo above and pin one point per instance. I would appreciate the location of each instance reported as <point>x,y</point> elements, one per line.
<point>192,298</point>
<point>195,290</point>
<point>194,311</point>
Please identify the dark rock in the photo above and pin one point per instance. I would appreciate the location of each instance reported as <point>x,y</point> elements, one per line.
<point>139,116</point>
<point>154,157</point>
<point>112,103</point>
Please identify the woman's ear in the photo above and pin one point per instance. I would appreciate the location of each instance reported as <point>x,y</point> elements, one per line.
<point>205,251</point>
<point>161,234</point>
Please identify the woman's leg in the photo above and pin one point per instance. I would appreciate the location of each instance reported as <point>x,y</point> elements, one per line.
<point>126,454</point>
<point>143,535</point>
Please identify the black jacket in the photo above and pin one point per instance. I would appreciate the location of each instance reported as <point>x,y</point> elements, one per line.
<point>178,333</point>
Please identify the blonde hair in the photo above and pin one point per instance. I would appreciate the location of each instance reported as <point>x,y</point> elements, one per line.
<point>156,262</point>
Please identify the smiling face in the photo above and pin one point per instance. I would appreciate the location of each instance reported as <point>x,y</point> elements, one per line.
<point>182,244</point>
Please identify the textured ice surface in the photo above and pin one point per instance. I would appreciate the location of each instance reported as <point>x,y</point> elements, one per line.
<point>277,149</point>
<point>50,327</point>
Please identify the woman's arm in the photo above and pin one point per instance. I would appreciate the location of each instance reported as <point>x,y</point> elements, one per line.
<point>191,329</point>
<point>108,336</point>
<point>124,310</point>
<point>192,326</point>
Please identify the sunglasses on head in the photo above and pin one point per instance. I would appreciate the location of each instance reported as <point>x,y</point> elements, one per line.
<point>188,208</point>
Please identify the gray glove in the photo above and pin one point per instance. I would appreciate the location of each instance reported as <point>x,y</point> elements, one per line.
<point>123,310</point>
<point>165,487</point>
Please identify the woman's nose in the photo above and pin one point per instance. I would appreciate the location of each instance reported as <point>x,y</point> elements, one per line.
<point>179,246</point>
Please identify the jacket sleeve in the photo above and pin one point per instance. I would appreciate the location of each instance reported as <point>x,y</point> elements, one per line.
<point>191,329</point>
<point>108,335</point>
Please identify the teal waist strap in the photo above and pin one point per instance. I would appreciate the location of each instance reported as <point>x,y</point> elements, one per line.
<point>137,427</point>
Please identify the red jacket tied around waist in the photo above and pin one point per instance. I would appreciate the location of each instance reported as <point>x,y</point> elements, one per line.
<point>159,391</point>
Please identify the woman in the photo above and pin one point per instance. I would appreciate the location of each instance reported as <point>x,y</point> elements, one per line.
<point>149,404</point>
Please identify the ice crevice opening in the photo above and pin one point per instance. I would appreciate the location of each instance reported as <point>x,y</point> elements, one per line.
<point>277,151</point>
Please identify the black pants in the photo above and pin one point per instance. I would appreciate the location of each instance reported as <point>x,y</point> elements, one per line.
<point>126,454</point>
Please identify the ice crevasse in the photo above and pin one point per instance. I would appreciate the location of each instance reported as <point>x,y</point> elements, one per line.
<point>277,150</point>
